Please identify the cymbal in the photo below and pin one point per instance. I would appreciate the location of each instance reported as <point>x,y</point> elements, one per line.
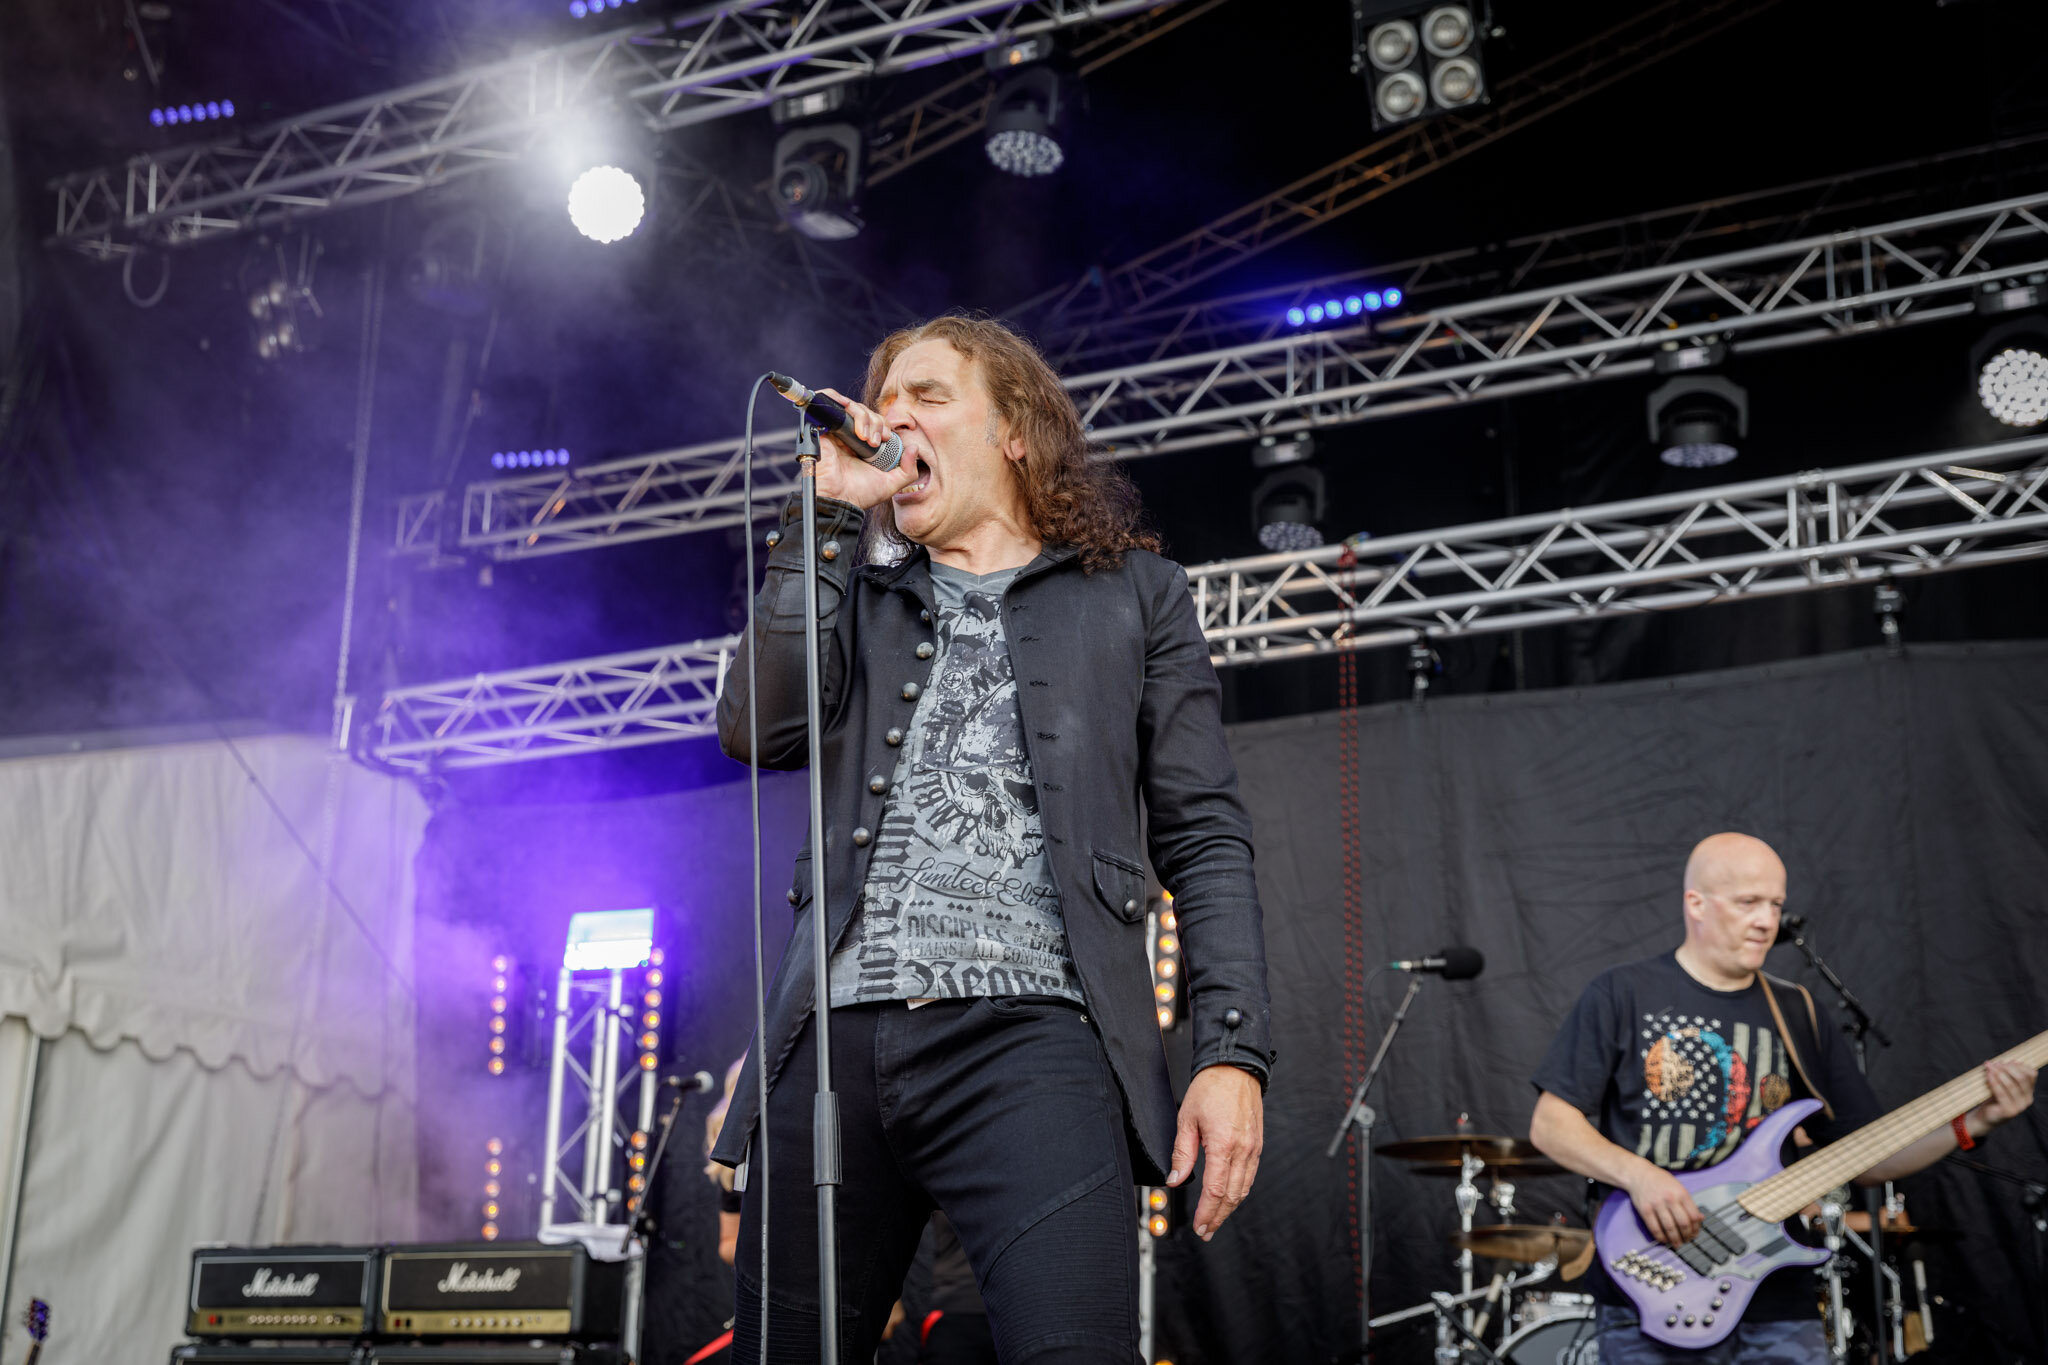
<point>1499,1170</point>
<point>1525,1242</point>
<point>1450,1149</point>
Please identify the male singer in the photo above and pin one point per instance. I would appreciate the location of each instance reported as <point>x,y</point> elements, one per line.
<point>1010,672</point>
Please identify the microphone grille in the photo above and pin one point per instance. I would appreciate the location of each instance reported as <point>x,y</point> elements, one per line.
<point>890,455</point>
<point>1462,963</point>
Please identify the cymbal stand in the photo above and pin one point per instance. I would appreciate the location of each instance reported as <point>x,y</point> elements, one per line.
<point>1467,1195</point>
<point>1893,1305</point>
<point>1841,1325</point>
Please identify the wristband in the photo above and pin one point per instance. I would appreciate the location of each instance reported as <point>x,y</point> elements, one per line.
<point>1964,1142</point>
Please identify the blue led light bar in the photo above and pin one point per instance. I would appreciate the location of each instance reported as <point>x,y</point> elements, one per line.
<point>529,459</point>
<point>192,113</point>
<point>1350,306</point>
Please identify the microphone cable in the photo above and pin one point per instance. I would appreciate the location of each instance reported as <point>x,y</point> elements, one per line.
<point>760,1154</point>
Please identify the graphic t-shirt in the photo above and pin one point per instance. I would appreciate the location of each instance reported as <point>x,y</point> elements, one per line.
<point>1679,1073</point>
<point>959,899</point>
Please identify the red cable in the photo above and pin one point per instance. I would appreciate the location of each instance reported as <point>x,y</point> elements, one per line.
<point>711,1348</point>
<point>1354,940</point>
<point>931,1320</point>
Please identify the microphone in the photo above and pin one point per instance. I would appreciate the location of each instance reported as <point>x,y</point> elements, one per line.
<point>1789,928</point>
<point>701,1083</point>
<point>824,413</point>
<point>1457,963</point>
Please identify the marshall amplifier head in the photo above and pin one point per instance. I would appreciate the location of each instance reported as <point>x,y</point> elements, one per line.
<point>304,1291</point>
<point>484,1289</point>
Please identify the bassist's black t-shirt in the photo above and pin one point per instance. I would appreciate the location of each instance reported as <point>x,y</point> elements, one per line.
<point>1679,1073</point>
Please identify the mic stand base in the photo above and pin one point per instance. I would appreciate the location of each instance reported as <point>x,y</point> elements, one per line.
<point>1359,1119</point>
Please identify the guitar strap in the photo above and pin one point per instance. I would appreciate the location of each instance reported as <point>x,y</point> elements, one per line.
<point>1785,1035</point>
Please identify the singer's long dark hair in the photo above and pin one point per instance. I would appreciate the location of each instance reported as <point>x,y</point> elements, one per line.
<point>1072,499</point>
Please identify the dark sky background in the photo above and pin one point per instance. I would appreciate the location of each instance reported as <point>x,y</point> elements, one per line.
<point>175,540</point>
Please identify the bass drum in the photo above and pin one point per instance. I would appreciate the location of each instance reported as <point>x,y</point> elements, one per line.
<point>1558,1340</point>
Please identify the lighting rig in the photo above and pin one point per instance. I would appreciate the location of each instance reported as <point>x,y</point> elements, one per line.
<point>1292,499</point>
<point>1696,417</point>
<point>2009,363</point>
<point>817,180</point>
<point>1420,61</point>
<point>1024,109</point>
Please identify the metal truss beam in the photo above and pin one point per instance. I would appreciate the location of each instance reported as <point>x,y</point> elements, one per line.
<point>1793,293</point>
<point>1767,537</point>
<point>1385,165</point>
<point>1729,223</point>
<point>716,61</point>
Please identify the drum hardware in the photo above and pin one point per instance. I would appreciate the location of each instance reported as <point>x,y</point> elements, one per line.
<point>1566,1339</point>
<point>1527,1243</point>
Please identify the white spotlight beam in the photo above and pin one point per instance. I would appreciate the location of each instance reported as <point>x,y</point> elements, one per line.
<point>1807,532</point>
<point>1798,293</point>
<point>713,62</point>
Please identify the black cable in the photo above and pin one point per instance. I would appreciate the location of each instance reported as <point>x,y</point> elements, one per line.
<point>754,798</point>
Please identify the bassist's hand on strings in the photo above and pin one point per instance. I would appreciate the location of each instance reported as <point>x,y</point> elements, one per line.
<point>2012,1094</point>
<point>1665,1207</point>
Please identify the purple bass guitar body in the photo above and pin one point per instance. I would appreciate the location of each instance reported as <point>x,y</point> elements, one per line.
<point>1693,1295</point>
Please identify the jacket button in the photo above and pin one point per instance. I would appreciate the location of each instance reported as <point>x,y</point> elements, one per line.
<point>793,896</point>
<point>893,738</point>
<point>878,784</point>
<point>1231,1017</point>
<point>861,837</point>
<point>910,691</point>
<point>774,539</point>
<point>925,616</point>
<point>830,549</point>
<point>1130,907</point>
<point>925,650</point>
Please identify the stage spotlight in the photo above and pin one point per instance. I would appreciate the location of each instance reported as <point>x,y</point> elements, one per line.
<point>817,173</point>
<point>1290,501</point>
<point>1417,60</point>
<point>606,204</point>
<point>2010,362</point>
<point>2012,383</point>
<point>1022,113</point>
<point>1296,317</point>
<point>1697,420</point>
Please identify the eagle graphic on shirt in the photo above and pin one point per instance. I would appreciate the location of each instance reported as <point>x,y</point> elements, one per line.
<point>1704,1087</point>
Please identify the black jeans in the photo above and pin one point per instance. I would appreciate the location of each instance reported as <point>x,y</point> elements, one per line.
<point>1003,1112</point>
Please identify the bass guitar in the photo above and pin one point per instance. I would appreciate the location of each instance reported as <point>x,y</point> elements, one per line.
<point>1694,1294</point>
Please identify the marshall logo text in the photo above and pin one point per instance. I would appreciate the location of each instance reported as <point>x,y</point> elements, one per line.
<point>268,1286</point>
<point>462,1280</point>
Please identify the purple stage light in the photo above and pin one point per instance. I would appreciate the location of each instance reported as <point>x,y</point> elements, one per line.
<point>498,459</point>
<point>156,116</point>
<point>1353,304</point>
<point>1332,307</point>
<point>213,109</point>
<point>1373,301</point>
<point>227,108</point>
<point>1295,317</point>
<point>1393,298</point>
<point>578,8</point>
<point>184,113</point>
<point>1315,314</point>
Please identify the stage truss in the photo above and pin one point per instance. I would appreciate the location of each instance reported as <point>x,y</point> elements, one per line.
<point>1818,288</point>
<point>713,62</point>
<point>1807,532</point>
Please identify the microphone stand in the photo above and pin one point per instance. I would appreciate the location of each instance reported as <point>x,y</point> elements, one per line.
<point>1359,1117</point>
<point>641,1224</point>
<point>1863,1026</point>
<point>825,1107</point>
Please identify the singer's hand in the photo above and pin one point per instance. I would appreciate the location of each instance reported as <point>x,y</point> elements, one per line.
<point>847,477</point>
<point>1223,1116</point>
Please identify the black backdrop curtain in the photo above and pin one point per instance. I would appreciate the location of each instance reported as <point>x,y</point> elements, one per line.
<point>1548,829</point>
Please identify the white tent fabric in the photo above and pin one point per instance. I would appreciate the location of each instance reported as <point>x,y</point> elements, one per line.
<point>225,1042</point>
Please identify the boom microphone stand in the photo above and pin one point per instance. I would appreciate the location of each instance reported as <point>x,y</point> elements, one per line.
<point>1361,1117</point>
<point>1863,1026</point>
<point>825,1108</point>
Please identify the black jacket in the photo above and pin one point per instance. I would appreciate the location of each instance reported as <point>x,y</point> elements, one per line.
<point>1119,704</point>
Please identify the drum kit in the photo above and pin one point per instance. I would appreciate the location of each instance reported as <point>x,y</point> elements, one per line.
<point>1534,1326</point>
